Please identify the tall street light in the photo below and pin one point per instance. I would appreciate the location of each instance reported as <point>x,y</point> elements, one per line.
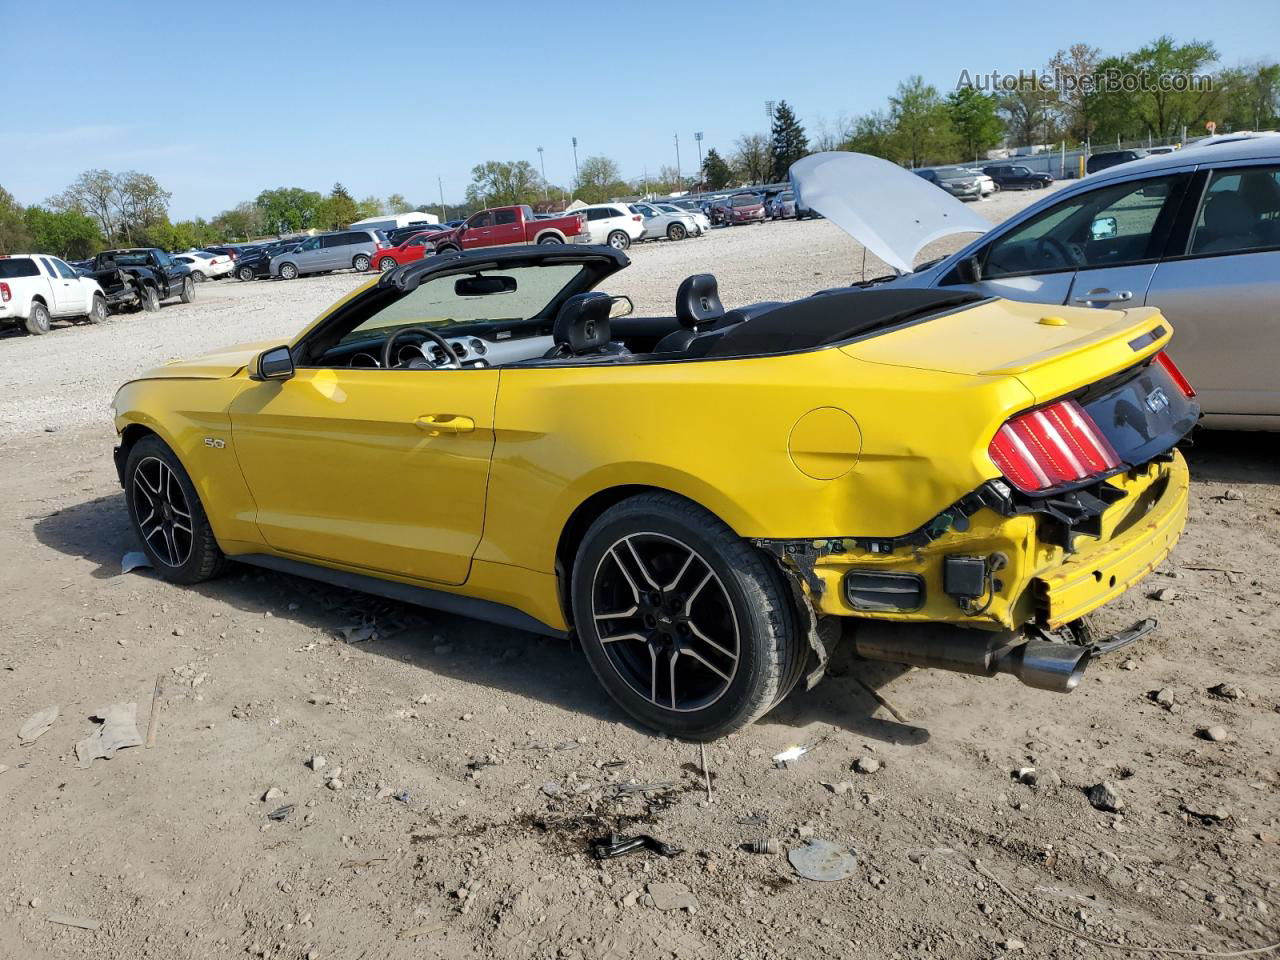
<point>444,211</point>
<point>698,136</point>
<point>575,161</point>
<point>543,164</point>
<point>677,160</point>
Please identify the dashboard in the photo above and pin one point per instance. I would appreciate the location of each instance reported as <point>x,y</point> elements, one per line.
<point>472,352</point>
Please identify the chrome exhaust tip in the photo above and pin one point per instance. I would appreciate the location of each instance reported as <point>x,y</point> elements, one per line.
<point>1056,667</point>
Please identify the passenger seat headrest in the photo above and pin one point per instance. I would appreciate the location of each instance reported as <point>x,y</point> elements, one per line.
<point>582,325</point>
<point>698,300</point>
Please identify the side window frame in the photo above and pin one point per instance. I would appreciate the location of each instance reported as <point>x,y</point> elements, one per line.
<point>1179,246</point>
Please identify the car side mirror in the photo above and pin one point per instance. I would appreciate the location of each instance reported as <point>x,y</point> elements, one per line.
<point>273,364</point>
<point>969,270</point>
<point>621,307</point>
<point>1104,228</point>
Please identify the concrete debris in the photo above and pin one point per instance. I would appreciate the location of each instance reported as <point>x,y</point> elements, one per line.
<point>839,789</point>
<point>274,793</point>
<point>866,765</point>
<point>37,725</point>
<point>671,896</point>
<point>317,762</point>
<point>1207,812</point>
<point>1165,594</point>
<point>1228,691</point>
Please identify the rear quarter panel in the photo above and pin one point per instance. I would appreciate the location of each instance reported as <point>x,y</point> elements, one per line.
<point>718,433</point>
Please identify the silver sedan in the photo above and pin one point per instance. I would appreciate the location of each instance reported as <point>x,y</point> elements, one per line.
<point>659,223</point>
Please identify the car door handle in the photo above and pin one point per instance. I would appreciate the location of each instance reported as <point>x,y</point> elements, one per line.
<point>439,424</point>
<point>1105,296</point>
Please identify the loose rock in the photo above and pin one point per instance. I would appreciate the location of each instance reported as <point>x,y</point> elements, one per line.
<point>1228,691</point>
<point>1104,796</point>
<point>317,762</point>
<point>274,793</point>
<point>1216,734</point>
<point>866,765</point>
<point>672,896</point>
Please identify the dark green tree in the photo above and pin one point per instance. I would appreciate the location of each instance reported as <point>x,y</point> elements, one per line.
<point>503,183</point>
<point>787,141</point>
<point>14,235</point>
<point>975,121</point>
<point>716,174</point>
<point>922,131</point>
<point>339,208</point>
<point>66,233</point>
<point>289,209</point>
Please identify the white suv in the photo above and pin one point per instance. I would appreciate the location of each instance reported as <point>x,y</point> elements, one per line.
<point>612,223</point>
<point>35,288</point>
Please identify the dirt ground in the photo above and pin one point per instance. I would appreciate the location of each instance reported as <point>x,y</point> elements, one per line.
<point>476,763</point>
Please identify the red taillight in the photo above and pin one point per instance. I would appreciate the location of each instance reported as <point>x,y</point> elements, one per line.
<point>5,293</point>
<point>637,218</point>
<point>1052,447</point>
<point>1175,374</point>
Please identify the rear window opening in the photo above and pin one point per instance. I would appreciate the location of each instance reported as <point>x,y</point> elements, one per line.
<point>11,269</point>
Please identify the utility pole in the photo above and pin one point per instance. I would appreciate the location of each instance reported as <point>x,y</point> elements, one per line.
<point>543,164</point>
<point>444,211</point>
<point>677,159</point>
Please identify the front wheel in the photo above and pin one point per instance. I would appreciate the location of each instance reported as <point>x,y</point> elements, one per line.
<point>387,263</point>
<point>198,276</point>
<point>188,290</point>
<point>167,515</point>
<point>690,628</point>
<point>619,240</point>
<point>360,262</point>
<point>676,232</point>
<point>288,271</point>
<point>98,310</point>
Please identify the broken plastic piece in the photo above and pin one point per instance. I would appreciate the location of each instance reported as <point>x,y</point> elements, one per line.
<point>134,560</point>
<point>789,755</point>
<point>606,848</point>
<point>823,860</point>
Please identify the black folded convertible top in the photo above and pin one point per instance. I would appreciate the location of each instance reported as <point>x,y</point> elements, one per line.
<point>832,317</point>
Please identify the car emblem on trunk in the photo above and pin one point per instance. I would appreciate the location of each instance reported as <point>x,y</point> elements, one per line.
<point>1157,400</point>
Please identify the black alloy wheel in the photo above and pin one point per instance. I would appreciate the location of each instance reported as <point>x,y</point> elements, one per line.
<point>164,515</point>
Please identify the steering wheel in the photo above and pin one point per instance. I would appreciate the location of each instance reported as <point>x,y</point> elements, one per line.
<point>388,350</point>
<point>1059,250</point>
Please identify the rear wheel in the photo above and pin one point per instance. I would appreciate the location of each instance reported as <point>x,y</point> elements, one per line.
<point>188,290</point>
<point>288,271</point>
<point>360,262</point>
<point>167,515</point>
<point>687,626</point>
<point>150,299</point>
<point>549,238</point>
<point>676,232</point>
<point>245,273</point>
<point>98,310</point>
<point>619,240</point>
<point>38,322</point>
<point>198,276</point>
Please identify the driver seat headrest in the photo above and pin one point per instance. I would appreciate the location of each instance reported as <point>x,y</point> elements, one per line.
<point>698,301</point>
<point>582,325</point>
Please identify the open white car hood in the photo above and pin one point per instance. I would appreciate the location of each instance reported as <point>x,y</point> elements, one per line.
<point>889,210</point>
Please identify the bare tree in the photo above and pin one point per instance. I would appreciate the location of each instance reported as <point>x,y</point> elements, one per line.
<point>752,160</point>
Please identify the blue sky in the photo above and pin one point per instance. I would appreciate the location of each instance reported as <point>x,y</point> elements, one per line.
<point>222,100</point>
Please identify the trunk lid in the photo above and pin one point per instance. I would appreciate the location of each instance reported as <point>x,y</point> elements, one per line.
<point>1051,350</point>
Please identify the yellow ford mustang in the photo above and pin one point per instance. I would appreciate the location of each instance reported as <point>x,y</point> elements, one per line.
<point>706,498</point>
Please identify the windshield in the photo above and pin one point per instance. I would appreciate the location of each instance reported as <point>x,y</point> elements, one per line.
<point>667,208</point>
<point>744,201</point>
<point>439,302</point>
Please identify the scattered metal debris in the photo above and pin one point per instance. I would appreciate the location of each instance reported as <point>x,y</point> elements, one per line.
<point>614,845</point>
<point>763,845</point>
<point>68,921</point>
<point>822,860</point>
<point>37,725</point>
<point>281,813</point>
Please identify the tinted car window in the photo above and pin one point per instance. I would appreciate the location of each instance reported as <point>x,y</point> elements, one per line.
<point>484,219</point>
<point>1110,226</point>
<point>1240,212</point>
<point>12,269</point>
<point>504,217</point>
<point>600,213</point>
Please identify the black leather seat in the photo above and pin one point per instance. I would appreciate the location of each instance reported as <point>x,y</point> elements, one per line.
<point>582,326</point>
<point>697,307</point>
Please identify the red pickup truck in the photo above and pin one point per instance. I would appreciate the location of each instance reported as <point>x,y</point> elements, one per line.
<point>501,226</point>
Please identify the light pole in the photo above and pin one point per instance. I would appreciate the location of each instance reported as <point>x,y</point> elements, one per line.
<point>444,211</point>
<point>575,161</point>
<point>677,159</point>
<point>543,164</point>
<point>698,136</point>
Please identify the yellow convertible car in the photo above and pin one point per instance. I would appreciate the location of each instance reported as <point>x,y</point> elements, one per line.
<point>710,499</point>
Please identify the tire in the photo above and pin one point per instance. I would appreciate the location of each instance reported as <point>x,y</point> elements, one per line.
<point>38,323</point>
<point>726,612</point>
<point>188,290</point>
<point>98,310</point>
<point>288,271</point>
<point>245,274</point>
<point>387,263</point>
<point>1040,184</point>
<point>549,238</point>
<point>619,240</point>
<point>443,250</point>
<point>677,232</point>
<point>178,540</point>
<point>198,276</point>
<point>150,298</point>
<point>360,262</point>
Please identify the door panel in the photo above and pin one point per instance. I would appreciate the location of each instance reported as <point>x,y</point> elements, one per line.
<point>341,468</point>
<point>1111,287</point>
<point>1226,319</point>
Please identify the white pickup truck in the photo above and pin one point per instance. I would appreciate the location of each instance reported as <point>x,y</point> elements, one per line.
<point>35,288</point>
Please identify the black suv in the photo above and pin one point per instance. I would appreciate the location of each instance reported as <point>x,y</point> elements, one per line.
<point>1100,161</point>
<point>1016,176</point>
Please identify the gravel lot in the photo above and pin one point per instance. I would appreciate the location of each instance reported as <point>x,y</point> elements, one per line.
<point>476,762</point>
